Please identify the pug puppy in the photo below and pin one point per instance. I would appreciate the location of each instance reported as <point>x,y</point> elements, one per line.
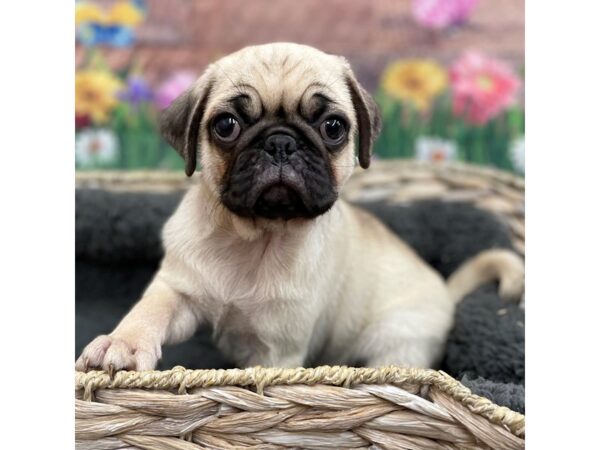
<point>263,249</point>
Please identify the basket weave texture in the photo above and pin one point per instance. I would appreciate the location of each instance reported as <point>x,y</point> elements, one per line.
<point>324,407</point>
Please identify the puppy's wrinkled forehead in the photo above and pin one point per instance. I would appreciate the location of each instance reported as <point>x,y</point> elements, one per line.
<point>279,79</point>
<point>293,83</point>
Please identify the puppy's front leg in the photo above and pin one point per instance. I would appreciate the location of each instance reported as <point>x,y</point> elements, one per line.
<point>162,316</point>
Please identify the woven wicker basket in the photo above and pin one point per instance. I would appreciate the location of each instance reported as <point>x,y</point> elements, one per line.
<point>324,407</point>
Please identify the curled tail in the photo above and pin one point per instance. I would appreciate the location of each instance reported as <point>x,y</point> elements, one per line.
<point>500,265</point>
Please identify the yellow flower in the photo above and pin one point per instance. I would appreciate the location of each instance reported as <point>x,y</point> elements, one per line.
<point>122,13</point>
<point>125,14</point>
<point>96,94</point>
<point>88,12</point>
<point>415,80</point>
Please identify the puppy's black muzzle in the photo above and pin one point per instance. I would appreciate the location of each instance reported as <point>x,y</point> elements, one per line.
<point>279,175</point>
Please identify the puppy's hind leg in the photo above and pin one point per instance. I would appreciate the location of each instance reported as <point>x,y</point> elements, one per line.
<point>406,338</point>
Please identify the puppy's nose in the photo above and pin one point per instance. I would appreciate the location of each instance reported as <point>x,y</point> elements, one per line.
<point>280,146</point>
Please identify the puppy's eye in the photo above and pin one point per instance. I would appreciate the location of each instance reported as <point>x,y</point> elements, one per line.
<point>333,130</point>
<point>227,128</point>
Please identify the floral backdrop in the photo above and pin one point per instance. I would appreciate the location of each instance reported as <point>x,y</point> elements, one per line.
<point>469,108</point>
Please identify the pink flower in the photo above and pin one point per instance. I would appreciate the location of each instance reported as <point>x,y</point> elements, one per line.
<point>172,87</point>
<point>482,87</point>
<point>439,14</point>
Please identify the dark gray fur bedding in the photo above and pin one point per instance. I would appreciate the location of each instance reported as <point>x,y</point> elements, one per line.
<point>118,250</point>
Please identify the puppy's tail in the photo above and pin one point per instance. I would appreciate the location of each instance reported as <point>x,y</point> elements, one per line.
<point>500,265</point>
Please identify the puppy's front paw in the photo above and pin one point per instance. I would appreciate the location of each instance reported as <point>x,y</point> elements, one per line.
<point>113,353</point>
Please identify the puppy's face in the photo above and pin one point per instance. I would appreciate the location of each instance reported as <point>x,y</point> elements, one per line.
<point>275,127</point>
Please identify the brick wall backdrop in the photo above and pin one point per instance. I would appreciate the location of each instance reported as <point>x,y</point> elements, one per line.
<point>188,34</point>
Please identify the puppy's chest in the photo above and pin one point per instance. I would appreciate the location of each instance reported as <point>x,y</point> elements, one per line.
<point>258,302</point>
<point>253,275</point>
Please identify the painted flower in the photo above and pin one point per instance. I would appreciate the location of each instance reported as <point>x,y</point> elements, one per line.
<point>433,149</point>
<point>113,28</point>
<point>94,34</point>
<point>87,12</point>
<point>136,91</point>
<point>96,94</point>
<point>125,13</point>
<point>415,80</point>
<point>440,14</point>
<point>482,87</point>
<point>172,88</point>
<point>517,155</point>
<point>96,147</point>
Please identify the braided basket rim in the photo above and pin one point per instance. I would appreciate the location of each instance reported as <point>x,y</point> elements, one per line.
<point>260,377</point>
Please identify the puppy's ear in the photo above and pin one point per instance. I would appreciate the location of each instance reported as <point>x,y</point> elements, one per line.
<point>367,115</point>
<point>180,122</point>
